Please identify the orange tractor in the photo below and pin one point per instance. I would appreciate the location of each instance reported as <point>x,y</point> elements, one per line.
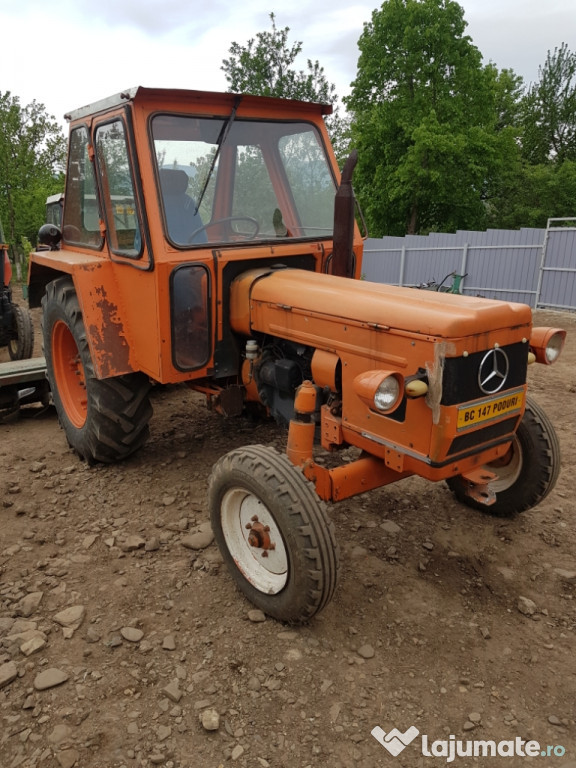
<point>210,239</point>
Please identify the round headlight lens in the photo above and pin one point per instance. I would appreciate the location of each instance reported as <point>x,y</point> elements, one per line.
<point>554,347</point>
<point>387,394</point>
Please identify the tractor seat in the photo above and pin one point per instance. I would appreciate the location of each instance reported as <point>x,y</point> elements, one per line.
<point>179,208</point>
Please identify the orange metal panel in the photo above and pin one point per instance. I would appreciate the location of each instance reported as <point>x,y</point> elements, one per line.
<point>385,307</point>
<point>324,369</point>
<point>364,474</point>
<point>331,429</point>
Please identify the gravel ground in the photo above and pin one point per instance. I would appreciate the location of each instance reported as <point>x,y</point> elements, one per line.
<point>123,641</point>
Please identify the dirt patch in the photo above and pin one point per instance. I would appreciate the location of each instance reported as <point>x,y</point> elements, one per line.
<point>162,663</point>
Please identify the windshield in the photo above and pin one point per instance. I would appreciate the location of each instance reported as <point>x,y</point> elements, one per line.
<point>266,180</point>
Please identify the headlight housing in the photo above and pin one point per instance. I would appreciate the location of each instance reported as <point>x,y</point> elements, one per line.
<point>546,344</point>
<point>381,391</point>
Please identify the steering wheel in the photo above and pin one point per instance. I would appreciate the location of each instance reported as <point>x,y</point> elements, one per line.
<point>250,236</point>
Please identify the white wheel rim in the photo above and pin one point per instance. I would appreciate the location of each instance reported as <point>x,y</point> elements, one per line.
<point>266,568</point>
<point>507,474</point>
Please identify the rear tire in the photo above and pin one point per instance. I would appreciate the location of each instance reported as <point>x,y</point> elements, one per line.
<point>21,345</point>
<point>527,473</point>
<point>104,420</point>
<point>274,533</point>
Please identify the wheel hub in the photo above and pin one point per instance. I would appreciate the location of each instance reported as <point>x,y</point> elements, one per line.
<point>259,536</point>
<point>254,540</point>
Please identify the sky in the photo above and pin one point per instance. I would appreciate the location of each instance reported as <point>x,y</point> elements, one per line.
<point>65,54</point>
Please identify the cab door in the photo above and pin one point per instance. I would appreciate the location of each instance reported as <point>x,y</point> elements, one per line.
<point>121,195</point>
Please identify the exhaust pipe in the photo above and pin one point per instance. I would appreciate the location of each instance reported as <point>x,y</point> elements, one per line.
<point>344,206</point>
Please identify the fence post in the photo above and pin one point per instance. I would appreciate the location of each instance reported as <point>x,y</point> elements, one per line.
<point>542,265</point>
<point>464,266</point>
<point>402,265</point>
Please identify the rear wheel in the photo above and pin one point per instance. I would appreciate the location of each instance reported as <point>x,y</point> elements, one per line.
<point>21,345</point>
<point>274,533</point>
<point>104,419</point>
<point>526,474</point>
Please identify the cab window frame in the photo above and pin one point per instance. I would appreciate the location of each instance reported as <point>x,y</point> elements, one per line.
<point>80,171</point>
<point>110,213</point>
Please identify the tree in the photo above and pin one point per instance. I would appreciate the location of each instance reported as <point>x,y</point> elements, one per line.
<point>543,185</point>
<point>550,111</point>
<point>535,193</point>
<point>427,120</point>
<point>32,152</point>
<point>508,92</point>
<point>265,67</point>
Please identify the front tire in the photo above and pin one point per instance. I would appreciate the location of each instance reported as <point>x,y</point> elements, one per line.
<point>104,420</point>
<point>21,345</point>
<point>528,472</point>
<point>274,533</point>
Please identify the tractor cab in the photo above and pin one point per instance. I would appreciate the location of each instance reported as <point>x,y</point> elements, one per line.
<point>188,190</point>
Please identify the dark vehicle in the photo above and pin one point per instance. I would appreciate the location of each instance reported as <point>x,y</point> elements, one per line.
<point>16,330</point>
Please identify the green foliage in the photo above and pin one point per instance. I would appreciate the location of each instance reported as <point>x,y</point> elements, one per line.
<point>265,67</point>
<point>507,90</point>
<point>414,54</point>
<point>543,186</point>
<point>549,111</point>
<point>32,152</point>
<point>432,125</point>
<point>536,193</point>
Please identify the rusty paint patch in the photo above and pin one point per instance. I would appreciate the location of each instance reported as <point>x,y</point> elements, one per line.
<point>108,340</point>
<point>92,266</point>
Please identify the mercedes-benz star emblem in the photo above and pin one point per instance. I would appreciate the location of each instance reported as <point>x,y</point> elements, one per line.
<point>493,371</point>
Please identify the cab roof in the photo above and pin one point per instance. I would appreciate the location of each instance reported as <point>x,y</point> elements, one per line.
<point>190,97</point>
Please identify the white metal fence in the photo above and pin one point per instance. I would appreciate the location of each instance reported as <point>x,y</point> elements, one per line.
<point>532,266</point>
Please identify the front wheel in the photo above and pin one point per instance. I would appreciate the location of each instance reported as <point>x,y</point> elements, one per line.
<point>104,419</point>
<point>274,533</point>
<point>526,474</point>
<point>21,345</point>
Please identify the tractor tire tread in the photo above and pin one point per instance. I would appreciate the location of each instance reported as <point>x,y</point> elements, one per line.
<point>306,513</point>
<point>119,408</point>
<point>22,347</point>
<point>541,465</point>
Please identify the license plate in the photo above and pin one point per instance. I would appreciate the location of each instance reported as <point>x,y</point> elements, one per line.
<point>489,410</point>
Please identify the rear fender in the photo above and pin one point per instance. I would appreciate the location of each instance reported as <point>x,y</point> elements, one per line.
<point>105,321</point>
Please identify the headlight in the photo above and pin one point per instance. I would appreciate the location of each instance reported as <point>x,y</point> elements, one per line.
<point>546,344</point>
<point>387,394</point>
<point>554,347</point>
<point>380,390</point>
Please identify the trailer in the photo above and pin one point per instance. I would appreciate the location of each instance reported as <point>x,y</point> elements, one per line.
<point>22,382</point>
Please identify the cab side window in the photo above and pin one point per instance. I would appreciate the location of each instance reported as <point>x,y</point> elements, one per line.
<point>119,200</point>
<point>81,224</point>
